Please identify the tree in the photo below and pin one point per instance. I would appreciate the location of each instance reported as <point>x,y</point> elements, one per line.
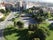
<point>40,16</point>
<point>8,10</point>
<point>13,19</point>
<point>3,11</point>
<point>49,14</point>
<point>19,24</point>
<point>38,32</point>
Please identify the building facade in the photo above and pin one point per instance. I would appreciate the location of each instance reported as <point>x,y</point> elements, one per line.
<point>17,6</point>
<point>24,4</point>
<point>2,6</point>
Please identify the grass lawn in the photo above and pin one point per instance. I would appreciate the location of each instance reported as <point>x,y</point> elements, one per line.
<point>51,36</point>
<point>12,33</point>
<point>47,25</point>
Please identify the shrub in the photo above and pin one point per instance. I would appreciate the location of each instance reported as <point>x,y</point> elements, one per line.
<point>2,19</point>
<point>3,11</point>
<point>19,24</point>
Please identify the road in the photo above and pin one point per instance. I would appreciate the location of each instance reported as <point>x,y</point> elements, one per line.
<point>27,21</point>
<point>50,21</point>
<point>4,24</point>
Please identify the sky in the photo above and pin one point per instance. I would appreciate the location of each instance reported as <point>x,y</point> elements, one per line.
<point>49,1</point>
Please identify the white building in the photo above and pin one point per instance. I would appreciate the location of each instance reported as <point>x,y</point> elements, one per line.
<point>31,4</point>
<point>2,6</point>
<point>21,2</point>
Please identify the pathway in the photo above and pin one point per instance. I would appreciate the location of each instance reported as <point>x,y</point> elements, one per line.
<point>5,23</point>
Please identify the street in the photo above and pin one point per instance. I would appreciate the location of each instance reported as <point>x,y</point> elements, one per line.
<point>27,20</point>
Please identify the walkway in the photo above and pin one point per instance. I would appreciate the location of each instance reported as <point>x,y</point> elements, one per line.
<point>4,24</point>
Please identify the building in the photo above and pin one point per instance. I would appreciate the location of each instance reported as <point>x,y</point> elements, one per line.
<point>5,6</point>
<point>24,4</point>
<point>20,5</point>
<point>17,6</point>
<point>2,6</point>
<point>31,4</point>
<point>8,6</point>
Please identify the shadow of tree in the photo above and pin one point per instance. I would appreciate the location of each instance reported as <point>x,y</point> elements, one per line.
<point>9,31</point>
<point>39,34</point>
<point>24,34</point>
<point>50,26</point>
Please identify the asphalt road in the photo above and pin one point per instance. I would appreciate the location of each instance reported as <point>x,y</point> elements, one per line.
<point>27,21</point>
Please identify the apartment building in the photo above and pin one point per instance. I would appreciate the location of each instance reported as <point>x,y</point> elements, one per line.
<point>2,6</point>
<point>17,6</point>
<point>20,5</point>
<point>24,4</point>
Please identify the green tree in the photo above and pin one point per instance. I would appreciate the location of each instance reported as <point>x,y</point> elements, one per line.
<point>20,24</point>
<point>49,14</point>
<point>13,19</point>
<point>38,32</point>
<point>8,10</point>
<point>40,16</point>
<point>3,11</point>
